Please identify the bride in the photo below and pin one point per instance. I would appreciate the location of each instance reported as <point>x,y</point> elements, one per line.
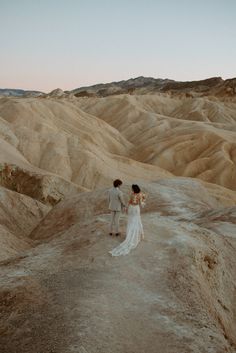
<point>134,232</point>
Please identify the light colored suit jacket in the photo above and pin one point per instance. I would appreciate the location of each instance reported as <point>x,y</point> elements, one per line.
<point>116,200</point>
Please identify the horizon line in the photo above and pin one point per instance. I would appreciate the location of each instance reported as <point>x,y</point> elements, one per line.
<point>109,82</point>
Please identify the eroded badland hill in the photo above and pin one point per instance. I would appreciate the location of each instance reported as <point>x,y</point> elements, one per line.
<point>60,289</point>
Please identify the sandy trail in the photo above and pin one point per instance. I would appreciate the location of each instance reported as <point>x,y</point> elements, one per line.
<point>80,299</point>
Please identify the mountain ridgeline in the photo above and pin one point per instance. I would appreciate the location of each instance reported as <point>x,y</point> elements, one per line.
<point>215,86</point>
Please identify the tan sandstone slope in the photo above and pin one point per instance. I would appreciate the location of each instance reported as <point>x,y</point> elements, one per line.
<point>193,137</point>
<point>85,140</point>
<point>58,137</point>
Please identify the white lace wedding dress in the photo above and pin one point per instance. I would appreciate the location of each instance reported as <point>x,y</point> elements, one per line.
<point>134,232</point>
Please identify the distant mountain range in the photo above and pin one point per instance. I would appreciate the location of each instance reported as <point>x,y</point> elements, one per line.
<point>140,85</point>
<point>18,92</point>
<point>149,85</point>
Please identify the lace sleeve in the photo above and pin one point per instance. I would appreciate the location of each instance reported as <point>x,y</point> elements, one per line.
<point>143,200</point>
<point>130,198</point>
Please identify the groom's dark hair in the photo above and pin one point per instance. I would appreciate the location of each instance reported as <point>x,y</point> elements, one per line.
<point>117,183</point>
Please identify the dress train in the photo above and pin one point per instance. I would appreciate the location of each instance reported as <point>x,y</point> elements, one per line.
<point>134,232</point>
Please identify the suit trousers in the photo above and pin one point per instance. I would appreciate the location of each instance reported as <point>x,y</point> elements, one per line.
<point>115,219</point>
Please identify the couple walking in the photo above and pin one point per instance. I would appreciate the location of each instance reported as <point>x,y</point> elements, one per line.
<point>134,231</point>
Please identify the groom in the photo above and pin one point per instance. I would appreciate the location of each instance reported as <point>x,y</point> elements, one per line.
<point>116,204</point>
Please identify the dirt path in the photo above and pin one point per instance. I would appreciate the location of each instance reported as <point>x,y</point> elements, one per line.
<point>79,299</point>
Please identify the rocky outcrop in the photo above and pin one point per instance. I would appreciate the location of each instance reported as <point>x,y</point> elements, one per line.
<point>19,215</point>
<point>48,189</point>
<point>56,93</point>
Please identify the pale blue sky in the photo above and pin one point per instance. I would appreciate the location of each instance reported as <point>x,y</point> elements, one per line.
<point>45,44</point>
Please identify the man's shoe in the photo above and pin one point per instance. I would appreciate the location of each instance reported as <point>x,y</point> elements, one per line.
<point>110,233</point>
<point>117,234</point>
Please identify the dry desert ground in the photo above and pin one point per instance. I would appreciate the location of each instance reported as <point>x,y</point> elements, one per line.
<point>60,290</point>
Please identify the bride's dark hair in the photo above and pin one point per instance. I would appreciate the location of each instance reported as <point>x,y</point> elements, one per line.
<point>136,189</point>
